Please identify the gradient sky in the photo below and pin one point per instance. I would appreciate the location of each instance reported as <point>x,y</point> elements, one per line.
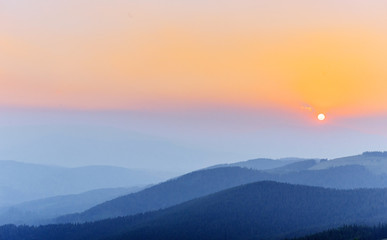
<point>242,77</point>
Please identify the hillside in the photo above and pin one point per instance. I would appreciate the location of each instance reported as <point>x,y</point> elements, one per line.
<point>261,163</point>
<point>204,182</point>
<point>262,210</point>
<point>351,232</point>
<point>42,210</point>
<point>376,162</point>
<point>295,166</point>
<point>20,182</point>
<point>169,193</point>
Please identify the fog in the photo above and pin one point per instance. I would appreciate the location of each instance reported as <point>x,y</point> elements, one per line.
<point>178,141</point>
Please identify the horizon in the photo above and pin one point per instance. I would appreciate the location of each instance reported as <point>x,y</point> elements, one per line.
<point>192,170</point>
<point>179,86</point>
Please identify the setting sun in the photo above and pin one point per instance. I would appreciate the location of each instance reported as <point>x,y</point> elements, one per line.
<point>321,117</point>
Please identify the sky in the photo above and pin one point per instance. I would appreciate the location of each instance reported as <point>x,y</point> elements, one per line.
<point>187,84</point>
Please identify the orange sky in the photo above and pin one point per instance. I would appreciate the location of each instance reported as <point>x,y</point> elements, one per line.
<point>327,55</point>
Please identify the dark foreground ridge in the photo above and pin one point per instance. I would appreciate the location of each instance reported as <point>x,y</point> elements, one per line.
<point>352,232</point>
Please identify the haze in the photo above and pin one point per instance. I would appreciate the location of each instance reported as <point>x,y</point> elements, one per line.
<point>183,85</point>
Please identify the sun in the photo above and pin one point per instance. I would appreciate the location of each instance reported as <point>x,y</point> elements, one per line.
<point>321,117</point>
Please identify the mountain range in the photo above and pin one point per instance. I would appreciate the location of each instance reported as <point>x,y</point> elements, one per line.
<point>21,182</point>
<point>261,210</point>
<point>43,210</point>
<point>254,199</point>
<point>211,180</point>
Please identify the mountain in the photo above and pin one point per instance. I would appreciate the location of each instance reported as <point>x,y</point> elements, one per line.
<point>40,211</point>
<point>169,193</point>
<point>207,181</point>
<point>350,232</point>
<point>295,166</point>
<point>20,182</point>
<point>263,163</point>
<point>376,162</point>
<point>262,210</point>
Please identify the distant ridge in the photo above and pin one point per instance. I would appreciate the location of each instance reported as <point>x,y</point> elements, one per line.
<point>43,210</point>
<point>262,163</point>
<point>376,162</point>
<point>375,154</point>
<point>20,182</point>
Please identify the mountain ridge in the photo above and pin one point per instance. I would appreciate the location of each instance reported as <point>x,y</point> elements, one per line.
<point>208,181</point>
<point>20,182</point>
<point>43,210</point>
<point>260,210</point>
